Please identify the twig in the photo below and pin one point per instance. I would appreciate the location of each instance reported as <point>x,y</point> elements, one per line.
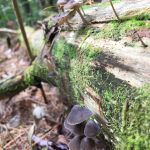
<point>114,10</point>
<point>20,21</point>
<point>142,42</point>
<point>43,94</point>
<point>13,141</point>
<point>11,136</point>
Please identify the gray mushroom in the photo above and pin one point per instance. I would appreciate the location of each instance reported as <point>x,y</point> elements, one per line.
<point>75,143</point>
<point>61,3</point>
<point>78,114</point>
<point>87,144</point>
<point>60,19</point>
<point>91,129</point>
<point>75,5</point>
<point>77,129</point>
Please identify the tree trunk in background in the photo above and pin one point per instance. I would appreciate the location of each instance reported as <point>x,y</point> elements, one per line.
<point>50,2</point>
<point>26,6</point>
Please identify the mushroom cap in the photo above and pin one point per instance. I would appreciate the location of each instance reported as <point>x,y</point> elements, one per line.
<point>75,143</point>
<point>72,4</point>
<point>87,144</point>
<point>91,129</point>
<point>77,129</point>
<point>62,2</point>
<point>78,114</point>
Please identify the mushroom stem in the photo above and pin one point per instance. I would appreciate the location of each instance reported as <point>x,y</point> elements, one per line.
<point>83,11</point>
<point>83,19</point>
<point>62,8</point>
<point>68,23</point>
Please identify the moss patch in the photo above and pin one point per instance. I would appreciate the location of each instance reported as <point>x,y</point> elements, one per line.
<point>115,30</point>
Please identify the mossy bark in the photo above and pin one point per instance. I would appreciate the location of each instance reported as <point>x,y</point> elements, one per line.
<point>33,75</point>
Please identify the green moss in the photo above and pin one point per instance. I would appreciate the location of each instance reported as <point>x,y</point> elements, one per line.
<point>129,123</point>
<point>143,16</point>
<point>38,71</point>
<point>137,134</point>
<point>115,30</point>
<point>64,53</point>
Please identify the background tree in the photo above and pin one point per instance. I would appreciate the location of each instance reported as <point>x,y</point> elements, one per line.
<point>26,6</point>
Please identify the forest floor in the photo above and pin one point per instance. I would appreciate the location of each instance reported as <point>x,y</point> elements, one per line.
<point>16,113</point>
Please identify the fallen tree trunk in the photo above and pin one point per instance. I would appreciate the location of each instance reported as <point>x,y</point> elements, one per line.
<point>36,73</point>
<point>12,86</point>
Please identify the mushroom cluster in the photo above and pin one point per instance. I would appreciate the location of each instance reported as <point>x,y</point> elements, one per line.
<point>68,10</point>
<point>84,129</point>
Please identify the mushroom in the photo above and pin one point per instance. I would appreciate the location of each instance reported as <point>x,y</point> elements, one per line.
<point>62,18</point>
<point>75,129</point>
<point>78,114</point>
<point>75,5</point>
<point>75,143</point>
<point>87,144</point>
<point>61,3</point>
<point>91,129</point>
